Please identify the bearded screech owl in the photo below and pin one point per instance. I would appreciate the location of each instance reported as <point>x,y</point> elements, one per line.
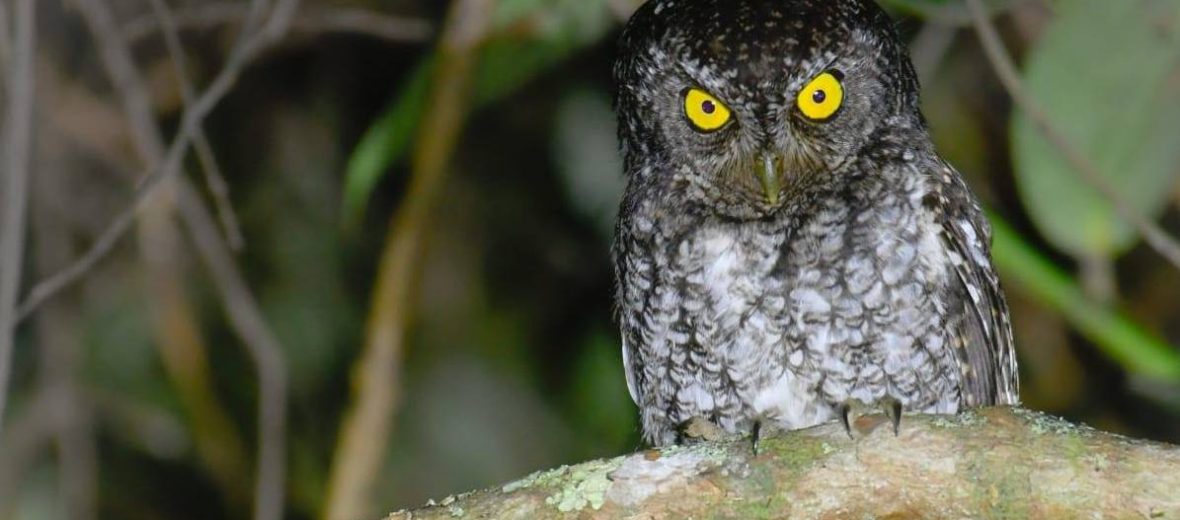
<point>789,241</point>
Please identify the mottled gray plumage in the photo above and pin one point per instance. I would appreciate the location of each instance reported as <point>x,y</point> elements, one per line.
<point>866,277</point>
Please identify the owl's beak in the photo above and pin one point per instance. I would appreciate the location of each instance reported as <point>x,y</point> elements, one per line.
<point>770,179</point>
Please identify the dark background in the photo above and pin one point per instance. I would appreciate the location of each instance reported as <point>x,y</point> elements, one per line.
<point>510,361</point>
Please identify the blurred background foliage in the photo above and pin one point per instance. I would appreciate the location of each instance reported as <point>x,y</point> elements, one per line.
<point>511,360</point>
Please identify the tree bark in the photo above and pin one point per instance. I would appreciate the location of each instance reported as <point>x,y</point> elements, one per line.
<point>990,463</point>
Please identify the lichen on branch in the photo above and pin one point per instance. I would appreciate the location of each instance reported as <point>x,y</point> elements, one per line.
<point>990,463</point>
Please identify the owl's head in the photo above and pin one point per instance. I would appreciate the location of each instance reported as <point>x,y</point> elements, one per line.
<point>739,102</point>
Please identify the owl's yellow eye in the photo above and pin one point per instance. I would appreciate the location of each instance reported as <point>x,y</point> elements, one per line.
<point>705,112</point>
<point>822,97</point>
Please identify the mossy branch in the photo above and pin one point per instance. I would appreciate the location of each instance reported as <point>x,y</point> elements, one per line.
<point>991,463</point>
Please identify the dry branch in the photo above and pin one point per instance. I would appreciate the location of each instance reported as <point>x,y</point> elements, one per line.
<point>992,463</point>
<point>5,43</point>
<point>16,131</point>
<point>311,20</point>
<point>260,30</point>
<point>249,46</point>
<point>360,447</point>
<point>214,179</point>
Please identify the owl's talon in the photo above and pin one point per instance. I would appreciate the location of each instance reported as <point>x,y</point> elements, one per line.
<point>892,408</point>
<point>847,408</point>
<point>762,428</point>
<point>756,435</point>
<point>852,410</point>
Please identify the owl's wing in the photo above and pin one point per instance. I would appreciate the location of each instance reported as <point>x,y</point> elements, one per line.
<point>629,369</point>
<point>982,338</point>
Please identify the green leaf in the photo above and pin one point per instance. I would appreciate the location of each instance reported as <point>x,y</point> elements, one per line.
<point>529,37</point>
<point>1115,334</point>
<point>1107,74</point>
<point>386,142</point>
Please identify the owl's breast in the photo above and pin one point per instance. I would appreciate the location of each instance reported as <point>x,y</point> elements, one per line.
<point>786,319</point>
<point>867,285</point>
<point>732,321</point>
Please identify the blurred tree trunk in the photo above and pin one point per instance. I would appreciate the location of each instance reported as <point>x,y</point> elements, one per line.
<point>993,463</point>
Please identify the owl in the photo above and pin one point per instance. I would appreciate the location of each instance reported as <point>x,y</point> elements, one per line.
<point>789,242</point>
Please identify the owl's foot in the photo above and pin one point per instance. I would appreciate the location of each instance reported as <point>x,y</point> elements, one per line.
<point>699,429</point>
<point>759,429</point>
<point>856,415</point>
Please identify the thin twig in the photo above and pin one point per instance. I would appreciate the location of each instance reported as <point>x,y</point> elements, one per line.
<point>5,41</point>
<point>184,352</point>
<point>17,144</point>
<point>357,459</point>
<point>214,179</point>
<point>311,20</point>
<point>190,120</point>
<point>238,303</point>
<point>245,317</point>
<point>257,9</point>
<point>1152,233</point>
<point>180,342</point>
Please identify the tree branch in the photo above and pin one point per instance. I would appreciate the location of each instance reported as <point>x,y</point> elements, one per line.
<point>310,20</point>
<point>361,445</point>
<point>245,317</point>
<point>5,43</point>
<point>17,135</point>
<point>248,47</point>
<point>214,179</point>
<point>239,305</point>
<point>991,463</point>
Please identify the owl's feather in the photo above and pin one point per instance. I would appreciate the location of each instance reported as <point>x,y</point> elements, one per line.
<point>984,335</point>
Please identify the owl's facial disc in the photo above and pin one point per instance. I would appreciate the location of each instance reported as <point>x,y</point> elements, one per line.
<point>741,106</point>
<point>760,142</point>
<point>706,114</point>
<point>819,101</point>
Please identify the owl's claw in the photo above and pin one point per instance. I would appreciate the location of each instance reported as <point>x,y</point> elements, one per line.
<point>761,428</point>
<point>892,409</point>
<point>755,436</point>
<point>853,410</point>
<point>847,410</point>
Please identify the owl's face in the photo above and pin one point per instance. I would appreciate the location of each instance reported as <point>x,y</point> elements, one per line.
<point>739,103</point>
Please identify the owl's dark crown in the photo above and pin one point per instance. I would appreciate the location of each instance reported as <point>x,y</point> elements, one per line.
<point>756,58</point>
<point>762,41</point>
